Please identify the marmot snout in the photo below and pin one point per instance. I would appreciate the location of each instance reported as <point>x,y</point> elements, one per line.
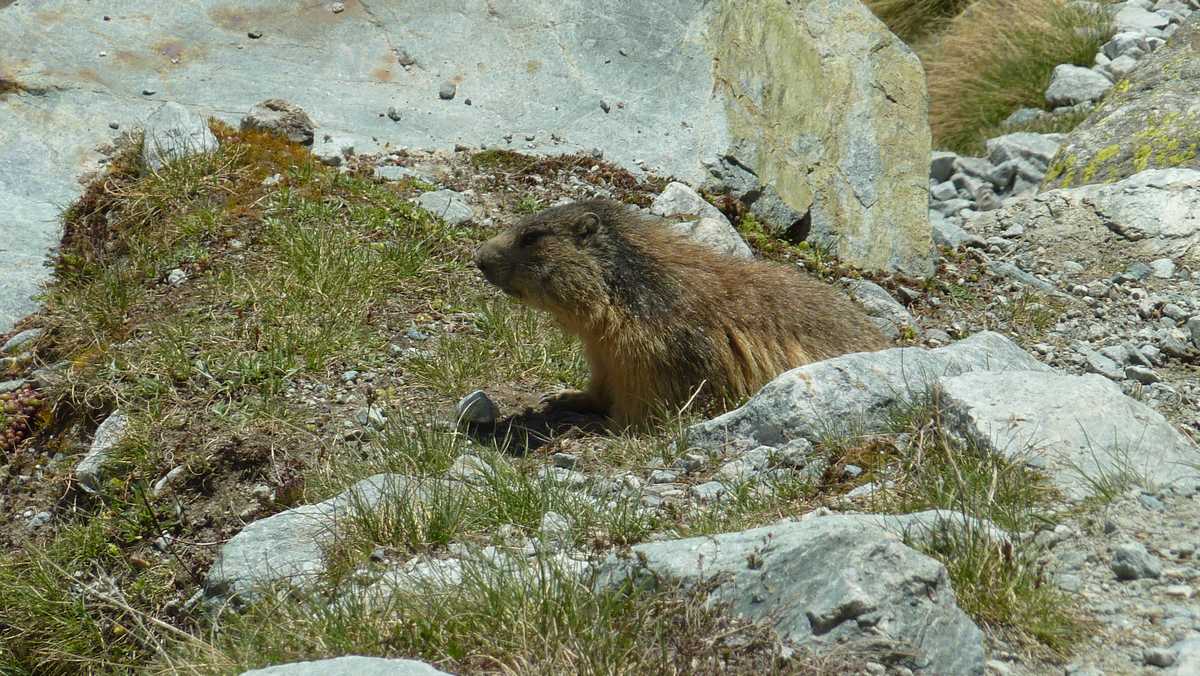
<point>662,317</point>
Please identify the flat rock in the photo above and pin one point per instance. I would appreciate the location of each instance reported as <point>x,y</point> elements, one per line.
<point>289,547</point>
<point>1070,85</point>
<point>825,396</point>
<point>1130,18</point>
<point>173,132</point>
<point>1078,429</point>
<point>350,665</point>
<point>21,341</point>
<point>1148,121</point>
<point>823,582</point>
<point>448,205</point>
<point>111,432</point>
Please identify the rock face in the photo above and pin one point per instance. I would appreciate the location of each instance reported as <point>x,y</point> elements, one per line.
<point>842,136</point>
<point>173,132</point>
<point>1152,214</point>
<point>822,581</point>
<point>811,400</point>
<point>1148,120</point>
<point>288,547</point>
<point>841,99</point>
<point>1078,429</point>
<point>350,665</point>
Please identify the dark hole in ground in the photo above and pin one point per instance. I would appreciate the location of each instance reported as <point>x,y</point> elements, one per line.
<point>522,433</point>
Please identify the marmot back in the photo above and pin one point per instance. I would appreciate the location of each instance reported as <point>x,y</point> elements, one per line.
<point>662,317</point>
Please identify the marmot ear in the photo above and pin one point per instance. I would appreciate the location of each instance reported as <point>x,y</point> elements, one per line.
<point>587,225</point>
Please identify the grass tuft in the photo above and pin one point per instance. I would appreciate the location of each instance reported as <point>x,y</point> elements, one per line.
<point>914,20</point>
<point>998,56</point>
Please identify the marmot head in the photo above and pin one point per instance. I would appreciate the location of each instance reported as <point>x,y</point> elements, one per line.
<point>553,260</point>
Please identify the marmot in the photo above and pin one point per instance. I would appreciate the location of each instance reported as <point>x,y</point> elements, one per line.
<point>664,318</point>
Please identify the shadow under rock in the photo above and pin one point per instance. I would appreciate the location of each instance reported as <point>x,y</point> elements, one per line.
<point>528,431</point>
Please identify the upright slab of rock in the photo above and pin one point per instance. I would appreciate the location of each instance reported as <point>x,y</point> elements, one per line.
<point>828,107</point>
<point>826,583</point>
<point>1149,120</point>
<point>814,96</point>
<point>173,132</point>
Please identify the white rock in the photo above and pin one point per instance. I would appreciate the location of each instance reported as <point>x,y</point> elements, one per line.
<point>1070,85</point>
<point>174,132</point>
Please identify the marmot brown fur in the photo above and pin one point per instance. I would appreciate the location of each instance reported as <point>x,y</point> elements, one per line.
<point>662,317</point>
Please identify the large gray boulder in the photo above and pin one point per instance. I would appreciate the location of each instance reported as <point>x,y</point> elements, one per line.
<point>1080,430</point>
<point>1152,214</point>
<point>826,582</point>
<point>1150,119</point>
<point>854,389</point>
<point>816,96</point>
<point>350,665</point>
<point>289,547</point>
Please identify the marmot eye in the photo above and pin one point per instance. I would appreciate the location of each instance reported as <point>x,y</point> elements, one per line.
<point>529,238</point>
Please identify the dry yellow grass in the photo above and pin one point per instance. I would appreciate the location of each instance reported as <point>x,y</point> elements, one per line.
<point>998,56</point>
<point>913,20</point>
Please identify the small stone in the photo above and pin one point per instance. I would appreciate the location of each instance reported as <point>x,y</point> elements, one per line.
<point>468,468</point>
<point>941,166</point>
<point>114,125</point>
<point>379,554</point>
<point>371,416</point>
<point>1137,272</point>
<point>416,334</point>
<point>943,191</point>
<point>851,472</point>
<point>565,460</point>
<point>1151,503</point>
<point>393,114</point>
<point>709,491</point>
<point>663,476</point>
<point>176,277</point>
<point>1159,657</point>
<point>38,520</point>
<point>404,59</point>
<point>1142,375</point>
<point>1131,561</point>
<point>1163,268</point>
<point>349,376</point>
<point>149,91</point>
<point>21,341</point>
<point>447,90</point>
<point>1072,268</point>
<point>476,408</point>
<point>555,524</point>
<point>1179,591</point>
<point>254,35</point>
<point>689,462</point>
<point>1071,84</point>
<point>337,7</point>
